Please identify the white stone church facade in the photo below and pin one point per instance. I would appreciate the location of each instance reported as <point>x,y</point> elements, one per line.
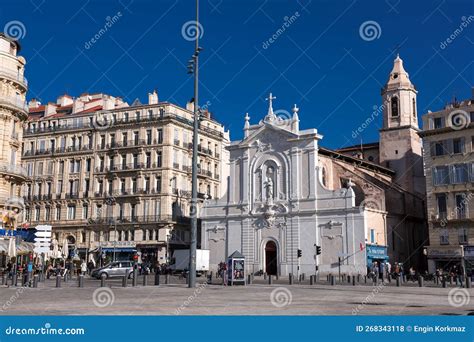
<point>276,205</point>
<point>287,194</point>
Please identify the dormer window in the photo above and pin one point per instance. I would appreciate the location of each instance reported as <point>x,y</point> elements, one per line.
<point>394,107</point>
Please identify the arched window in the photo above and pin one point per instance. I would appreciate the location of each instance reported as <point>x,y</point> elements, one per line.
<point>413,102</point>
<point>394,106</point>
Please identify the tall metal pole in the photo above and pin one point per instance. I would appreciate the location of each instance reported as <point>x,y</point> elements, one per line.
<point>192,250</point>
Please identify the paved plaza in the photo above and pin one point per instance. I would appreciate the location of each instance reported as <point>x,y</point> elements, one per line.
<point>259,298</point>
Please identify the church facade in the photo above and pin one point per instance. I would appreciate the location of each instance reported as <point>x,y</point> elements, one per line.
<point>287,196</point>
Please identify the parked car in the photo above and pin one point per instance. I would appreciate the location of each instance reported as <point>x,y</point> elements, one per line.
<point>114,269</point>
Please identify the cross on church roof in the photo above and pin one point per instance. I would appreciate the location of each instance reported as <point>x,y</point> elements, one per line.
<point>270,99</point>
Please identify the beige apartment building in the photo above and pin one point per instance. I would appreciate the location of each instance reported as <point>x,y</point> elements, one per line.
<point>13,112</point>
<point>448,140</point>
<point>113,178</point>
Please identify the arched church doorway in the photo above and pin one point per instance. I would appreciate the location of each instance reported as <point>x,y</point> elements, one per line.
<point>271,258</point>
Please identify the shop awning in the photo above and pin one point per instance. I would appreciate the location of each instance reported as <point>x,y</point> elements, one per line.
<point>21,249</point>
<point>119,249</point>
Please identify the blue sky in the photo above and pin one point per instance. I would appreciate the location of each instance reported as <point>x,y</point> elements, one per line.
<point>320,62</point>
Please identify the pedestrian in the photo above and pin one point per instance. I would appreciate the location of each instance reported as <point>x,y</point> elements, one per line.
<point>83,267</point>
<point>412,274</point>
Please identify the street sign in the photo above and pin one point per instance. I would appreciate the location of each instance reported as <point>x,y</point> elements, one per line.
<point>42,239</point>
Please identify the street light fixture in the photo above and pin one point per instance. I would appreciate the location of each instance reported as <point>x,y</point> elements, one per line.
<point>193,68</point>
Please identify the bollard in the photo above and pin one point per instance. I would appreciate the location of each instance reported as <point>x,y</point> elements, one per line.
<point>81,280</point>
<point>124,281</point>
<point>58,281</point>
<point>353,281</point>
<point>35,281</point>
<point>349,279</point>
<point>443,282</point>
<point>145,276</point>
<point>277,276</point>
<point>365,279</point>
<point>420,281</point>
<point>468,283</point>
<point>451,280</point>
<point>102,280</point>
<point>65,278</point>
<point>303,277</point>
<point>290,279</point>
<point>398,281</point>
<point>210,278</point>
<point>358,278</point>
<point>134,277</point>
<point>249,279</point>
<point>167,279</point>
<point>333,280</point>
<point>264,276</point>
<point>157,279</point>
<point>270,280</point>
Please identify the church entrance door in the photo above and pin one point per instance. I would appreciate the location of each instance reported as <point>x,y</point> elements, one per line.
<point>271,258</point>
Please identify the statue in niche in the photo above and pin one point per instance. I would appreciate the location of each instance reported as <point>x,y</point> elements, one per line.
<point>270,184</point>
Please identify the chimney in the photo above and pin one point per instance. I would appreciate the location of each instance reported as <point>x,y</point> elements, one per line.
<point>109,103</point>
<point>78,106</point>
<point>153,98</point>
<point>64,100</point>
<point>34,103</point>
<point>50,109</point>
<point>190,105</point>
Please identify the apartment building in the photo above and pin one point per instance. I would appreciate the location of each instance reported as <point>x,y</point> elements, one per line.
<point>13,112</point>
<point>114,178</point>
<point>448,140</point>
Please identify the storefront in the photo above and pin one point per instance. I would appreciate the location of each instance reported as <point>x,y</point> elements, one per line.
<point>376,253</point>
<point>469,260</point>
<point>443,257</point>
<point>123,250</point>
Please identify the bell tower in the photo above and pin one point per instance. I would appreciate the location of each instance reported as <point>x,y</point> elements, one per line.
<point>400,144</point>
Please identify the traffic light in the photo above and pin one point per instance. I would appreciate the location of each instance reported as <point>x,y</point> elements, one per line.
<point>300,253</point>
<point>318,250</point>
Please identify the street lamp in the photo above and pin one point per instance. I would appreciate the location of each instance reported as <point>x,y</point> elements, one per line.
<point>193,68</point>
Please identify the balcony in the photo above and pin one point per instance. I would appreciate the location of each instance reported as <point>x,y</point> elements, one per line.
<point>14,102</point>
<point>14,170</point>
<point>132,219</point>
<point>177,142</point>
<point>15,77</point>
<point>176,166</point>
<point>72,195</point>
